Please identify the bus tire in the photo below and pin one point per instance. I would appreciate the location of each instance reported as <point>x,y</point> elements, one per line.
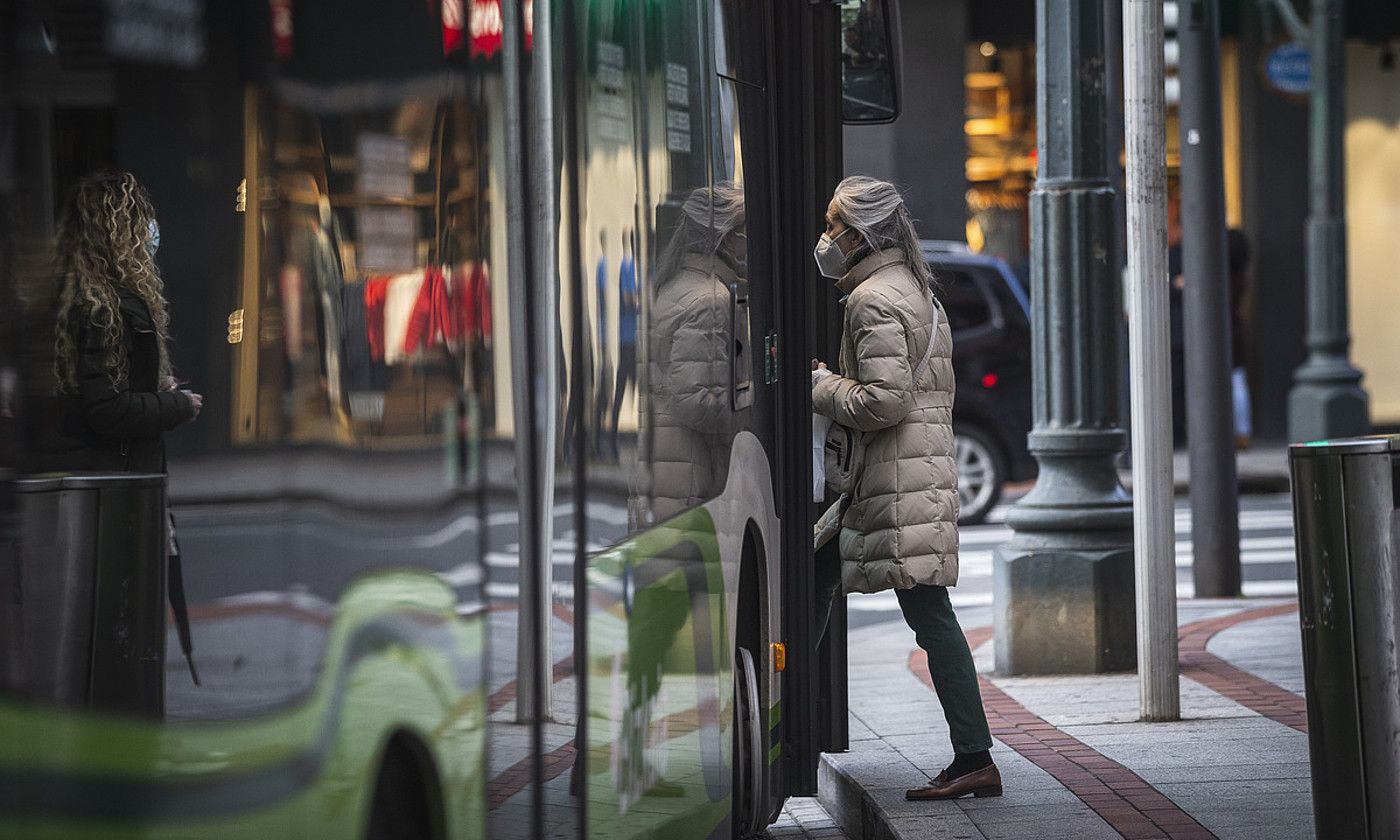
<point>749,812</point>
<point>407,804</point>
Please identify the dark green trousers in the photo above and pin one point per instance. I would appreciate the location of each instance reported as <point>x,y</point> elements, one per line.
<point>929,613</point>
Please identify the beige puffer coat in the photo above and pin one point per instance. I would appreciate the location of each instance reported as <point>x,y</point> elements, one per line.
<point>900,526</point>
<point>684,458</point>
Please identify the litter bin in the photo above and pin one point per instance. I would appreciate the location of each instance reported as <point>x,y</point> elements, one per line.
<point>85,589</point>
<point>1348,537</point>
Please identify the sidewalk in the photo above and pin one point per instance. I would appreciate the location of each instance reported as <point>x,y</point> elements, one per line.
<point>1075,760</point>
<point>1263,468</point>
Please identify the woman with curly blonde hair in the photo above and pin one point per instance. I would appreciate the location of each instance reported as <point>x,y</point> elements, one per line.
<point>116,396</point>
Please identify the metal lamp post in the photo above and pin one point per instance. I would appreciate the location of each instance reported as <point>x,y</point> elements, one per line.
<point>1064,583</point>
<point>1327,399</point>
<point>1215,530</point>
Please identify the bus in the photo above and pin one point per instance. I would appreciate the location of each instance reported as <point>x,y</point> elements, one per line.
<point>497,517</point>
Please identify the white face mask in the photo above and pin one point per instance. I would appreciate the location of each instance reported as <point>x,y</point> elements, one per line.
<point>831,260</point>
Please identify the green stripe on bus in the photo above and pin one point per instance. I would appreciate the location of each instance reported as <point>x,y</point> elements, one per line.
<point>775,715</point>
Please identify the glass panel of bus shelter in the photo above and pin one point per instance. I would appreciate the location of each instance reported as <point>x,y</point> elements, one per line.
<point>333,255</point>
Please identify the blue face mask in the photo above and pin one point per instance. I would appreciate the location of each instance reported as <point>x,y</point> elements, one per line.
<point>153,240</point>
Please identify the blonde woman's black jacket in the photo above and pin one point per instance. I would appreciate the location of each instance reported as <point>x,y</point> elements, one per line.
<point>109,425</point>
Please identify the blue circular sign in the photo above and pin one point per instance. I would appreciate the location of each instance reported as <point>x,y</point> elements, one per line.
<point>1289,68</point>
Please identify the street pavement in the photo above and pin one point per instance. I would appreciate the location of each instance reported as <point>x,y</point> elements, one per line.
<point>1076,760</point>
<point>804,818</point>
<point>1266,554</point>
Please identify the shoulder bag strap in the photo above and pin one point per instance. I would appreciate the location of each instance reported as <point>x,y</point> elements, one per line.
<point>933,329</point>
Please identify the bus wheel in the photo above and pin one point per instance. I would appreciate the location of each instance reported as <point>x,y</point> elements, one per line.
<point>404,795</point>
<point>748,748</point>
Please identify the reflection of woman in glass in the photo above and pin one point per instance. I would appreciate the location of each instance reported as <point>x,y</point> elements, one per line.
<point>117,396</point>
<point>693,417</point>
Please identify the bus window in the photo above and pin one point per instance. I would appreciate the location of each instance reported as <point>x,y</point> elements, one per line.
<point>869,61</point>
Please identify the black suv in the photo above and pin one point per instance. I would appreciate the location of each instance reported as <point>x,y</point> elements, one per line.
<point>990,318</point>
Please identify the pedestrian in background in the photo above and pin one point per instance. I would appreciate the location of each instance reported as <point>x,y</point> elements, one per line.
<point>1238,256</point>
<point>628,309</point>
<point>116,395</point>
<point>1237,244</point>
<point>896,524</point>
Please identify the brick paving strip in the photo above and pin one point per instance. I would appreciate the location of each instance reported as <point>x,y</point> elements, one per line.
<point>1114,792</point>
<point>1254,693</point>
<point>516,778</point>
<point>1127,803</point>
<point>563,669</point>
<point>501,697</point>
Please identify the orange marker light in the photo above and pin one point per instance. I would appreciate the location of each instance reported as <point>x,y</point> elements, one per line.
<point>779,657</point>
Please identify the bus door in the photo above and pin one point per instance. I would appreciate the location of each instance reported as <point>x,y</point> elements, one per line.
<point>846,62</point>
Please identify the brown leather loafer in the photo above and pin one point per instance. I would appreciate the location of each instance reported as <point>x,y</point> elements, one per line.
<point>984,782</point>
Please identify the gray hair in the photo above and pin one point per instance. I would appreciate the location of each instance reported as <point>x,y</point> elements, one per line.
<point>708,215</point>
<point>878,213</point>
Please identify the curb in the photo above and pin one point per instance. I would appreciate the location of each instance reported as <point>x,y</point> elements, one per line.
<point>858,814</point>
<point>1249,484</point>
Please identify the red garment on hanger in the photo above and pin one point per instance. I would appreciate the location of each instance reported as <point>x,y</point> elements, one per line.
<point>472,297</point>
<point>431,323</point>
<point>376,291</point>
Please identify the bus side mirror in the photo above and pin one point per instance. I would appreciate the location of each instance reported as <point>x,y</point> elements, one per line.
<point>869,61</point>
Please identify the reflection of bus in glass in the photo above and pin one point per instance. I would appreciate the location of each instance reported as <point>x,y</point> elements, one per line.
<point>502,335</point>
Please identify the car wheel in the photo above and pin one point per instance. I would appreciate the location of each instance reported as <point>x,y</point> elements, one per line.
<point>981,473</point>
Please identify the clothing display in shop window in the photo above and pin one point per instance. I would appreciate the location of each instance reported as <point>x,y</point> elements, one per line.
<point>471,298</point>
<point>289,282</point>
<point>473,301</point>
<point>327,283</point>
<point>309,293</point>
<point>376,289</point>
<point>363,370</point>
<point>431,322</point>
<point>399,302</point>
<point>408,313</point>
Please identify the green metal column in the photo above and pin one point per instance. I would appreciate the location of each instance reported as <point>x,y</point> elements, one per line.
<point>1064,583</point>
<point>1327,399</point>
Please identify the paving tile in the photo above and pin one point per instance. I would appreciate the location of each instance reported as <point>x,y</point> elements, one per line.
<point>1229,773</point>
<point>940,827</point>
<point>891,803</point>
<point>1013,797</point>
<point>1031,814</point>
<point>1086,827</point>
<point>1225,763</point>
